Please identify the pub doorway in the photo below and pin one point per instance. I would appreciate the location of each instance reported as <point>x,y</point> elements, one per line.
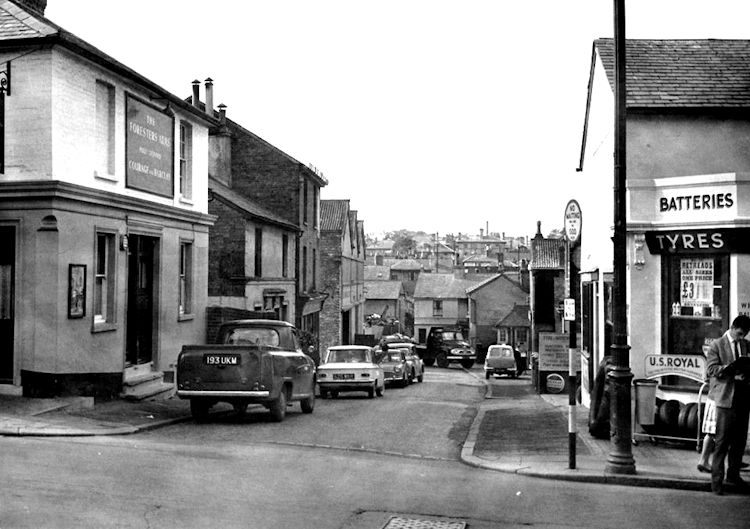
<point>141,312</point>
<point>7,302</point>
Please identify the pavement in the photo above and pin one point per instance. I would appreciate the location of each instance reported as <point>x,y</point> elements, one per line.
<point>515,431</point>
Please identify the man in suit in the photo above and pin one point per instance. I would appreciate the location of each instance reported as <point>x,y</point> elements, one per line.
<point>731,392</point>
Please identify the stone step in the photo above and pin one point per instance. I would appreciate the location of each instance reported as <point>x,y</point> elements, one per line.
<point>146,386</point>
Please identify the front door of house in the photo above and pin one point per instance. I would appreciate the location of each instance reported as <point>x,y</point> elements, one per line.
<point>7,302</point>
<point>140,318</point>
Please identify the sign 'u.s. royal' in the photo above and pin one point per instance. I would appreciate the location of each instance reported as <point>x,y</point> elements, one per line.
<point>709,241</point>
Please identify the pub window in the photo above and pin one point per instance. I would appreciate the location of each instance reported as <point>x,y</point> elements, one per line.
<point>502,335</point>
<point>104,278</point>
<point>258,252</point>
<point>186,159</point>
<point>186,279</point>
<point>522,336</point>
<point>437,307</point>
<point>105,129</point>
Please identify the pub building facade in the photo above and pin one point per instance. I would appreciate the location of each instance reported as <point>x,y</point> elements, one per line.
<point>103,218</point>
<point>688,207</point>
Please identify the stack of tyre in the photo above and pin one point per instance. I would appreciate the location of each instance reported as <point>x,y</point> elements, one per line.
<point>673,418</point>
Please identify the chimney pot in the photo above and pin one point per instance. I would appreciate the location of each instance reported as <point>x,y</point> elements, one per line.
<point>196,93</point>
<point>210,96</point>
<point>222,113</point>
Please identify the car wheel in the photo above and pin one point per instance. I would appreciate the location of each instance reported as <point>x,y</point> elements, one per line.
<point>334,394</point>
<point>308,404</point>
<point>239,407</point>
<point>487,375</point>
<point>412,377</point>
<point>199,409</point>
<point>420,378</point>
<point>371,392</point>
<point>442,361</point>
<point>278,406</point>
<point>323,393</point>
<point>379,390</point>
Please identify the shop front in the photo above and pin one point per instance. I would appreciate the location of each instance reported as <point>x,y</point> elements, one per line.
<point>689,264</point>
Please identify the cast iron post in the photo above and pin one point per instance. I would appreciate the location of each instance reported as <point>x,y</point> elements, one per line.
<point>620,459</point>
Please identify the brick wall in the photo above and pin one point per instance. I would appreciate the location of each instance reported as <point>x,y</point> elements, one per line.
<point>226,254</point>
<point>330,316</point>
<point>215,316</point>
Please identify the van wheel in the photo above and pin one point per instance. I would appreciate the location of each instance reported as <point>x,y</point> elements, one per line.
<point>278,406</point>
<point>199,409</point>
<point>308,404</point>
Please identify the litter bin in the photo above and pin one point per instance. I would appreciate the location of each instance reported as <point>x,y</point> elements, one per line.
<point>645,400</point>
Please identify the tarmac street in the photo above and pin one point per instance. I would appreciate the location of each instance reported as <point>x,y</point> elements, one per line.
<point>435,451</point>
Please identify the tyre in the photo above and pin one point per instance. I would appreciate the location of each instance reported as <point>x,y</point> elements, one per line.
<point>371,392</point>
<point>199,409</point>
<point>412,376</point>
<point>487,375</point>
<point>278,407</point>
<point>323,393</point>
<point>467,364</point>
<point>420,378</point>
<point>308,404</point>
<point>379,390</point>
<point>442,361</point>
<point>334,394</point>
<point>429,362</point>
<point>239,407</point>
<point>404,381</point>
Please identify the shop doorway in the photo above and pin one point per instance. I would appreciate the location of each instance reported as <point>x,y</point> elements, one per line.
<point>7,302</point>
<point>141,307</point>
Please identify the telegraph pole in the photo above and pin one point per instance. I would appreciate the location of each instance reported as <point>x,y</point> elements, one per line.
<point>620,459</point>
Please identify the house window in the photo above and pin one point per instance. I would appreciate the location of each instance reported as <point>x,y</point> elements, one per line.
<point>186,278</point>
<point>304,269</point>
<point>186,159</point>
<point>277,305</point>
<point>437,307</point>
<point>284,255</point>
<point>522,336</point>
<point>314,268</point>
<point>502,335</point>
<point>258,252</point>
<point>105,129</point>
<point>316,207</point>
<point>304,202</point>
<point>104,278</point>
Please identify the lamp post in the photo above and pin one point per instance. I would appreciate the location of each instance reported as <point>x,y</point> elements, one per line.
<point>620,459</point>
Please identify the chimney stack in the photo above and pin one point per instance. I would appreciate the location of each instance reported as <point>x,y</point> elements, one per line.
<point>196,92</point>
<point>210,96</point>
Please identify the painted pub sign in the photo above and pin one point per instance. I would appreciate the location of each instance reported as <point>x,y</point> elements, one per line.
<point>149,148</point>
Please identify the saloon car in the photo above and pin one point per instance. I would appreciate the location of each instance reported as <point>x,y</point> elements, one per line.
<point>499,361</point>
<point>350,368</point>
<point>414,363</point>
<point>395,367</point>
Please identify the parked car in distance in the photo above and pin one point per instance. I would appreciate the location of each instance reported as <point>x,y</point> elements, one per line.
<point>350,368</point>
<point>414,363</point>
<point>499,361</point>
<point>395,367</point>
<point>253,362</point>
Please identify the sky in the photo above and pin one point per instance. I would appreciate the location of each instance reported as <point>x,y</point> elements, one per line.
<point>442,116</point>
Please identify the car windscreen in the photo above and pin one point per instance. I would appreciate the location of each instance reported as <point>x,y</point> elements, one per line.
<point>347,356</point>
<point>253,336</point>
<point>499,352</point>
<point>452,335</point>
<point>391,357</point>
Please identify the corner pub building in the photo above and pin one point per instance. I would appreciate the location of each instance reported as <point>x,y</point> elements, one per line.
<point>103,217</point>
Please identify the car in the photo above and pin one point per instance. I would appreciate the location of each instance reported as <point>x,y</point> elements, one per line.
<point>395,367</point>
<point>252,362</point>
<point>350,368</point>
<point>500,361</point>
<point>415,364</point>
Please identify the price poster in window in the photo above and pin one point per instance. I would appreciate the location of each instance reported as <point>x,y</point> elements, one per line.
<point>697,282</point>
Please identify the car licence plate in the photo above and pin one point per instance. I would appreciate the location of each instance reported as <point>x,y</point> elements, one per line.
<point>343,376</point>
<point>221,360</point>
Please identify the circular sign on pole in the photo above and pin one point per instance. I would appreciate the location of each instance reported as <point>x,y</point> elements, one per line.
<point>555,383</point>
<point>573,221</point>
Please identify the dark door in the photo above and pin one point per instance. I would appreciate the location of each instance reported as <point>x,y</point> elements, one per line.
<point>345,327</point>
<point>140,321</point>
<point>7,301</point>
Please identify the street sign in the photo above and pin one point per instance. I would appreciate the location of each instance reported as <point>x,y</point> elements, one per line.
<point>569,313</point>
<point>573,221</point>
